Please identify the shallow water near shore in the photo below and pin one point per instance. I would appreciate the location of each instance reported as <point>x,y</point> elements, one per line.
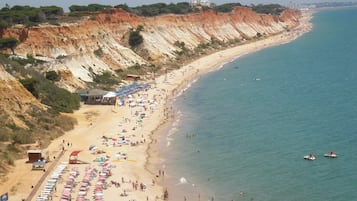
<point>242,131</point>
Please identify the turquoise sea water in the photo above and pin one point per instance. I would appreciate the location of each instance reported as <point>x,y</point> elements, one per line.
<point>243,130</point>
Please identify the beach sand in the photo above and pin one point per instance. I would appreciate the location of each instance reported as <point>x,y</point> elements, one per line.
<point>95,121</point>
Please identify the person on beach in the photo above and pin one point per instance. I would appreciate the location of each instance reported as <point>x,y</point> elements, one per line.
<point>166,195</point>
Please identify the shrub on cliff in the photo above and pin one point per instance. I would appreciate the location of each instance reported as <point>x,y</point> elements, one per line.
<point>30,85</point>
<point>49,94</point>
<point>98,52</point>
<point>4,156</point>
<point>53,76</point>
<point>59,99</point>
<point>8,43</point>
<point>45,90</point>
<point>106,78</point>
<point>135,38</point>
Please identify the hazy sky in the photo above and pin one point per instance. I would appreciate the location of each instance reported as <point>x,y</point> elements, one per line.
<point>66,3</point>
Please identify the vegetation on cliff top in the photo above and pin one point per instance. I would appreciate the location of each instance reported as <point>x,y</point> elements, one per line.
<point>226,8</point>
<point>160,9</point>
<point>31,16</point>
<point>28,15</point>
<point>274,9</point>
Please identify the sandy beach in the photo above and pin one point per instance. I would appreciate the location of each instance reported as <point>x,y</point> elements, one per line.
<point>114,141</point>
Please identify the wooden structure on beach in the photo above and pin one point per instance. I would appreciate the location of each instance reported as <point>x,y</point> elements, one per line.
<point>97,97</point>
<point>132,77</point>
<point>34,155</point>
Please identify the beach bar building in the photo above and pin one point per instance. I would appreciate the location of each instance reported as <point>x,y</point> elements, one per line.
<point>92,96</point>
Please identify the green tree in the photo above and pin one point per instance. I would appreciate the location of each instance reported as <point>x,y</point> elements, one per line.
<point>27,15</point>
<point>89,8</point>
<point>274,9</point>
<point>77,8</point>
<point>106,78</point>
<point>226,8</point>
<point>123,6</point>
<point>6,43</point>
<point>30,85</point>
<point>53,76</point>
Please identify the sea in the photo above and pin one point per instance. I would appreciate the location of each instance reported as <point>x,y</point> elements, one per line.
<point>241,132</point>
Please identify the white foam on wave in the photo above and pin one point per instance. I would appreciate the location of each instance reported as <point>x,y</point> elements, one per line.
<point>174,128</point>
<point>182,180</point>
<point>185,88</point>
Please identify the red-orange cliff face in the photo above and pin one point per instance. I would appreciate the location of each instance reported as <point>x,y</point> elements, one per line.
<point>72,47</point>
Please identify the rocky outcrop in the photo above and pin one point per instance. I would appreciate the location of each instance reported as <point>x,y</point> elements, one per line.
<point>71,48</point>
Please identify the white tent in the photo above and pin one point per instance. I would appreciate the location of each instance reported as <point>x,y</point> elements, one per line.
<point>110,95</point>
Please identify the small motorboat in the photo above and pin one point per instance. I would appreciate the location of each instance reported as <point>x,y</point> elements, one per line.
<point>331,154</point>
<point>310,157</point>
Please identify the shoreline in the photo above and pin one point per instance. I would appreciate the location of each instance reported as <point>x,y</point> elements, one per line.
<point>144,157</point>
<point>167,125</point>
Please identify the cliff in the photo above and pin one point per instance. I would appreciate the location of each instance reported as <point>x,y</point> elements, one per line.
<point>17,103</point>
<point>70,48</point>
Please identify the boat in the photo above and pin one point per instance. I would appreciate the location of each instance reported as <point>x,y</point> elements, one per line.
<point>310,157</point>
<point>331,154</point>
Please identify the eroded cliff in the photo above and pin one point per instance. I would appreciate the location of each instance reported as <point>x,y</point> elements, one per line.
<point>70,48</point>
<point>16,102</point>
